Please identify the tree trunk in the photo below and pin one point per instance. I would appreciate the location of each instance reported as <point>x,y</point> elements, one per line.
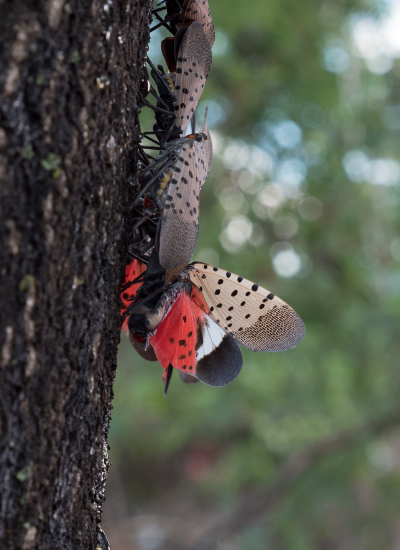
<point>69,79</point>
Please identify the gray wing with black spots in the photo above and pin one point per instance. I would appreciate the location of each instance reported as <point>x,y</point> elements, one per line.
<point>198,10</point>
<point>180,219</point>
<point>193,65</point>
<point>255,317</point>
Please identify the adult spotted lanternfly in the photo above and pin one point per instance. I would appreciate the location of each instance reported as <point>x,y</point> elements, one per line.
<point>180,172</point>
<point>193,65</point>
<point>180,218</point>
<point>130,288</point>
<point>189,58</point>
<point>195,323</point>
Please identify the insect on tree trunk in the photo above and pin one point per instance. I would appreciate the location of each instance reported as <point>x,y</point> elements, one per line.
<point>70,74</point>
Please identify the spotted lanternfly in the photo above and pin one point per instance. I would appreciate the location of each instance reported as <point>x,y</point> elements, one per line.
<point>197,10</point>
<point>191,64</point>
<point>180,219</point>
<point>157,170</point>
<point>188,57</point>
<point>180,172</point>
<point>196,323</point>
<point>130,288</point>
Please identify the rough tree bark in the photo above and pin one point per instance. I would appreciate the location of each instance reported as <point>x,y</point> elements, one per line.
<point>69,78</point>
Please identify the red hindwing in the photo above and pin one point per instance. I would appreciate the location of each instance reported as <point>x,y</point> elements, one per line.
<point>176,338</point>
<point>132,271</point>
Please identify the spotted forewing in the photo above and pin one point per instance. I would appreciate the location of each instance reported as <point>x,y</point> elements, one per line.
<point>255,317</point>
<point>192,68</point>
<point>180,219</point>
<point>198,10</point>
<point>213,311</point>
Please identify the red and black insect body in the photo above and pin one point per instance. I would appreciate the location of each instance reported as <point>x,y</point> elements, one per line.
<point>133,270</point>
<point>173,183</point>
<point>147,283</point>
<point>196,323</point>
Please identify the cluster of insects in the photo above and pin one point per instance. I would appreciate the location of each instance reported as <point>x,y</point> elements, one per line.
<point>188,316</point>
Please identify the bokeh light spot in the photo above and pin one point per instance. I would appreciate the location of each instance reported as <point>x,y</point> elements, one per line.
<point>286,263</point>
<point>310,209</point>
<point>288,134</point>
<point>286,227</point>
<point>290,173</point>
<point>356,165</point>
<point>336,59</point>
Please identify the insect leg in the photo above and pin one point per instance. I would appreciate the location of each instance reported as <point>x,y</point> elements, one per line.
<point>152,180</point>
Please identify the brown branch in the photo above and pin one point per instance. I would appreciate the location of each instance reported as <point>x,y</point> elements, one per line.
<point>259,502</point>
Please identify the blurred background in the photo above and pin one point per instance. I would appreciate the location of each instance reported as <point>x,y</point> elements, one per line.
<point>302,450</point>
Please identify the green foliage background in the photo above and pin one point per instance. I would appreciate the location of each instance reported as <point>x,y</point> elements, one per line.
<point>201,448</point>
